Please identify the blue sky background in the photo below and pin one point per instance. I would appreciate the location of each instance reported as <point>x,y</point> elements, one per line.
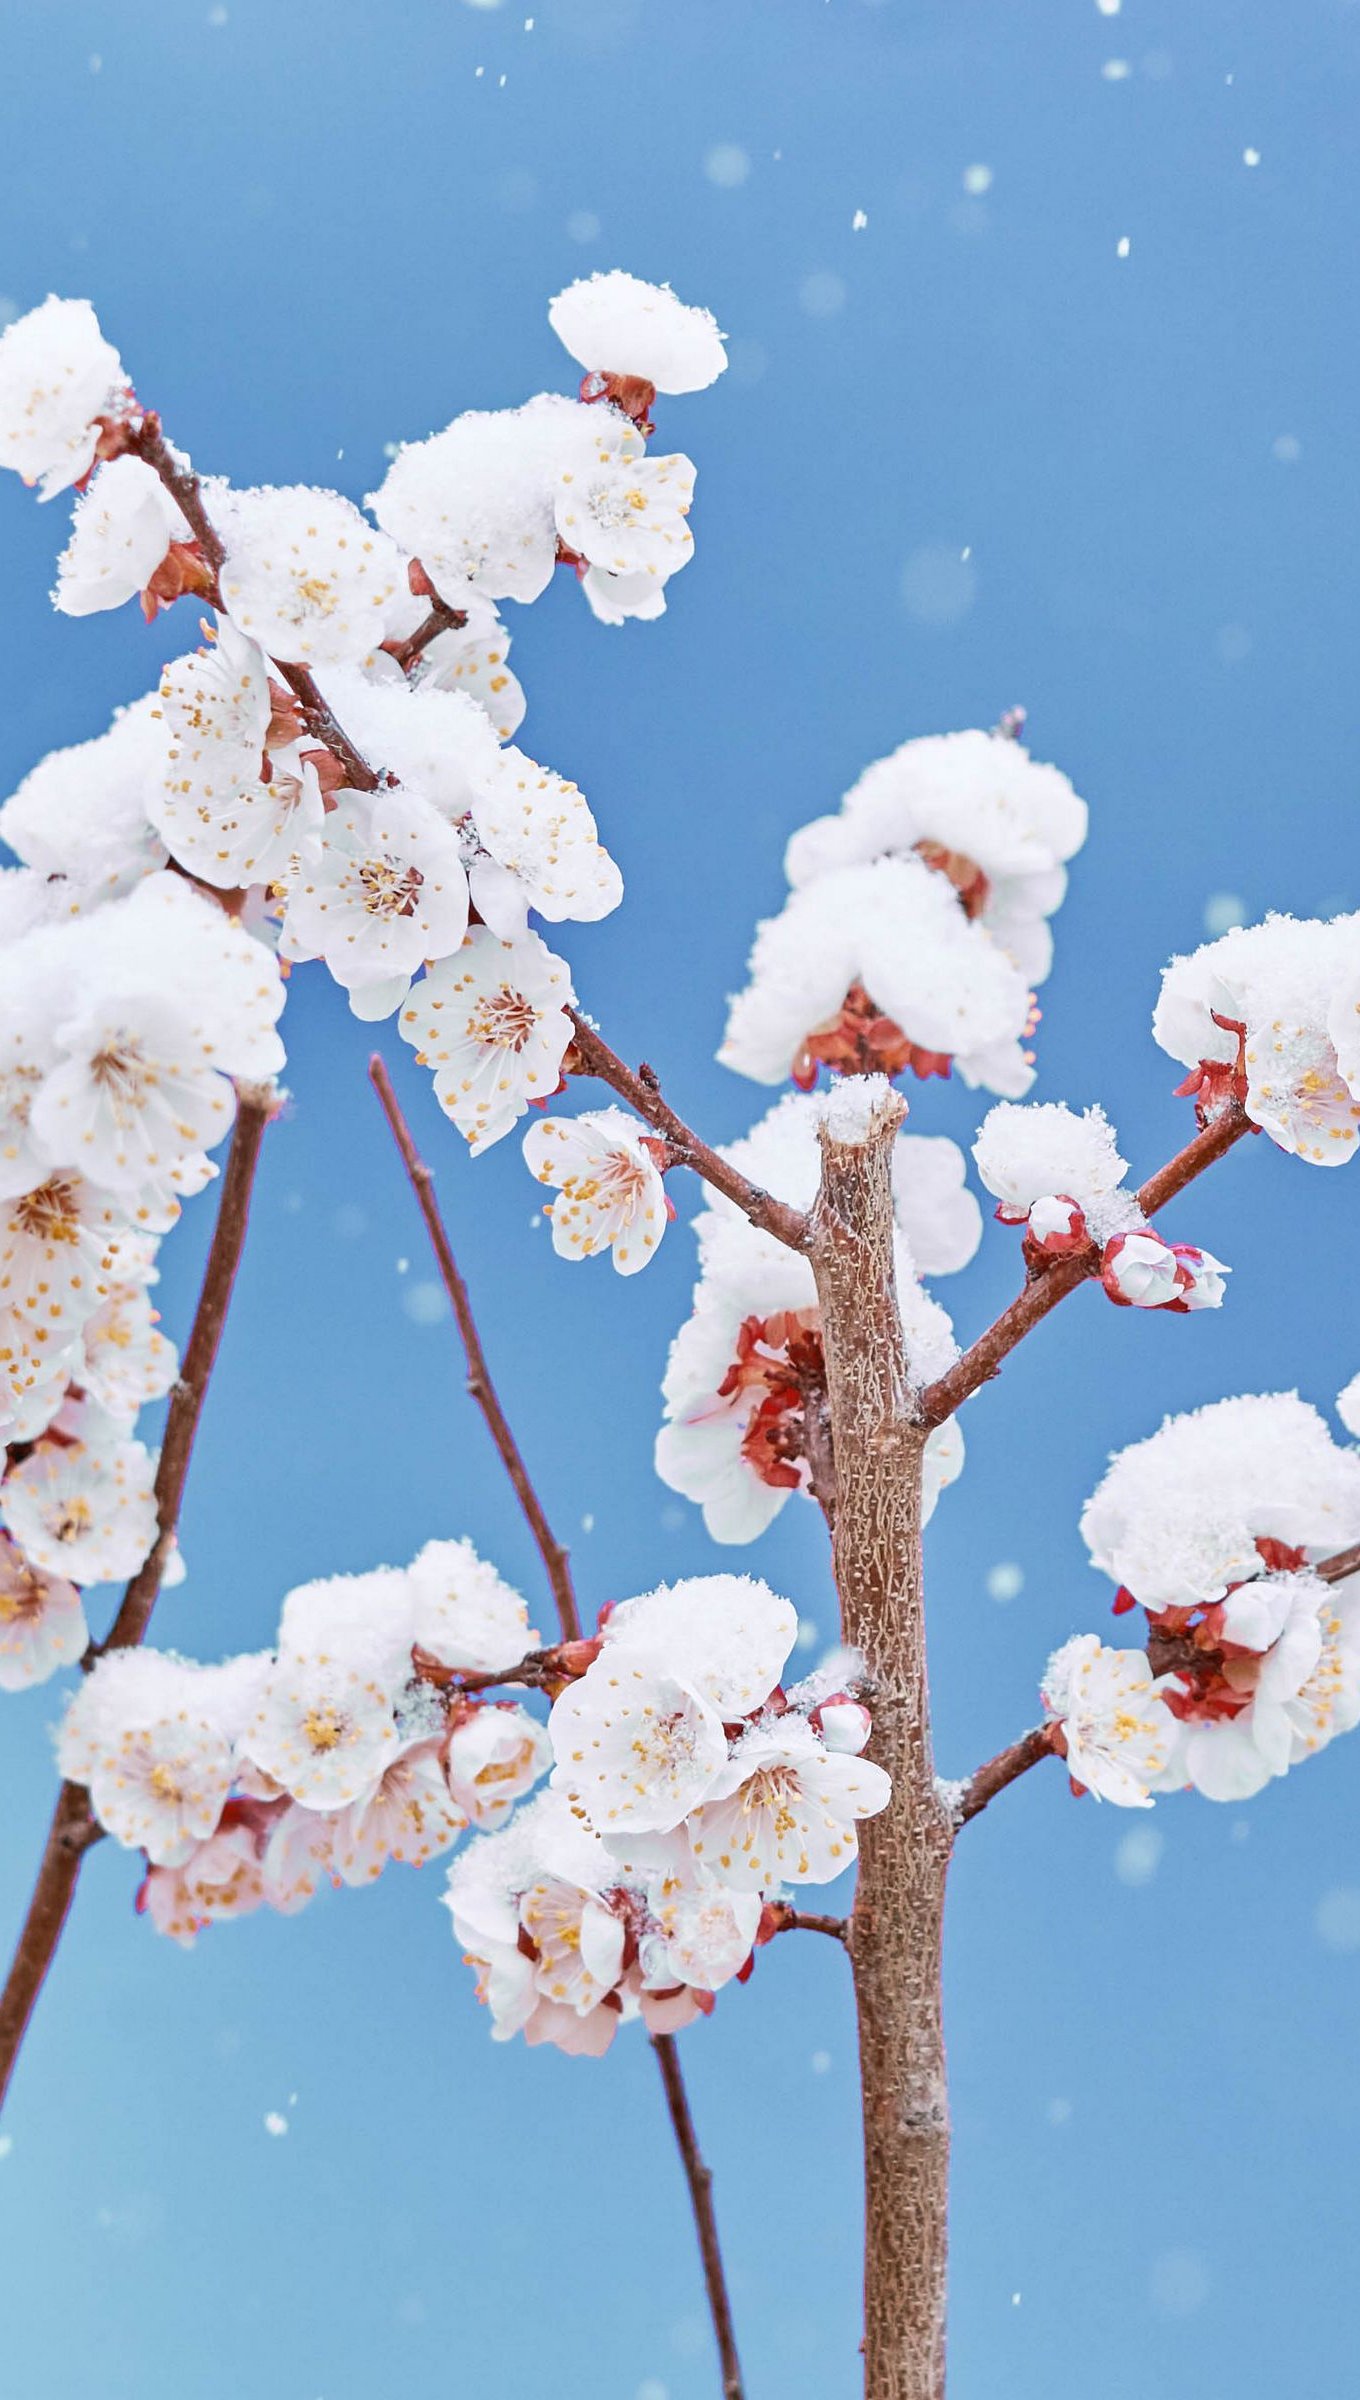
<point>314,229</point>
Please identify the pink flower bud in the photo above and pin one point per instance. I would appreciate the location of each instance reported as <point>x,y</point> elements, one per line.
<point>1057,1226</point>
<point>1140,1270</point>
<point>843,1724</point>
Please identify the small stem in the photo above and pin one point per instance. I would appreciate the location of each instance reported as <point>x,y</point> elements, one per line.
<point>1341,1564</point>
<point>802,1920</point>
<point>1005,1768</point>
<point>72,1832</point>
<point>642,1092</point>
<point>73,1829</point>
<point>479,1383</point>
<point>255,1105</point>
<point>441,619</point>
<point>1053,1283</point>
<point>700,2180</point>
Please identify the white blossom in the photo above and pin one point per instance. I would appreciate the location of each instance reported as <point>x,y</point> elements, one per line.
<point>384,889</point>
<point>784,1809</point>
<point>42,1621</point>
<point>636,1748</point>
<point>626,514</point>
<point>83,813</point>
<point>492,1022</point>
<point>153,1739</point>
<point>492,1758</point>
<point>542,849</point>
<point>1118,1735</point>
<point>611,1192</point>
<point>83,1511</point>
<point>1283,994</point>
<point>411,1816</point>
<point>222,1878</point>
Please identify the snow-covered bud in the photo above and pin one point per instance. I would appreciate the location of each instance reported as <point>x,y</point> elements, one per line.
<point>1056,1227</point>
<point>1140,1270</point>
<point>844,1724</point>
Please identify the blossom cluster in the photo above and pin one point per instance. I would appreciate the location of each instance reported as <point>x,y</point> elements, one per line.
<point>917,922</point>
<point>376,814</point>
<point>253,1783</point>
<point>1270,1016</point>
<point>1215,1527</point>
<point>745,1372</point>
<point>1061,1177</point>
<point>688,1789</point>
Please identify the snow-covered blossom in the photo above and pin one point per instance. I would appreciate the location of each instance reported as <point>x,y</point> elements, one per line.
<point>729,1636</point>
<point>64,1247</point>
<point>492,1022</point>
<point>611,1190</point>
<point>747,1365</point>
<point>384,889</point>
<point>1268,1015</point>
<point>1114,1727</point>
<point>1179,1516</point>
<point>57,376</point>
<point>877,968</point>
<point>615,324</point>
<point>84,813</point>
<point>325,1728</point>
<point>1032,1154</point>
<point>474,661</point>
<point>132,1096</point>
<point>995,823</point>
<point>475,503</point>
<point>463,1613</point>
<point>305,575</point>
<point>83,1510</point>
<point>42,1621</point>
<point>122,528</point>
<point>1348,1406</point>
<point>784,1808</point>
<point>626,514</point>
<point>153,1739</point>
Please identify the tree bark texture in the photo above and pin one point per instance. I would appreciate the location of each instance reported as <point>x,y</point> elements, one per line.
<point>896,1928</point>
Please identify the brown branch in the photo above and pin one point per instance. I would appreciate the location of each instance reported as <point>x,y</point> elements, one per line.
<point>1004,1769</point>
<point>700,2180</point>
<point>73,1829</point>
<point>642,1092</point>
<point>1341,1564</point>
<point>1052,1283</point>
<point>72,1832</point>
<point>255,1105</point>
<point>479,1383</point>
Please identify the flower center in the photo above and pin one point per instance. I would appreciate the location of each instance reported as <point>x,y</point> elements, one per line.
<point>503,1020</point>
<point>389,887</point>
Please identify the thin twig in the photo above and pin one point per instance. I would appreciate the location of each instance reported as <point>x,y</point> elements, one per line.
<point>479,1382</point>
<point>700,2179</point>
<point>441,619</point>
<point>1341,1564</point>
<point>1052,1283</point>
<point>642,1092</point>
<point>1004,1769</point>
<point>255,1105</point>
<point>73,1829</point>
